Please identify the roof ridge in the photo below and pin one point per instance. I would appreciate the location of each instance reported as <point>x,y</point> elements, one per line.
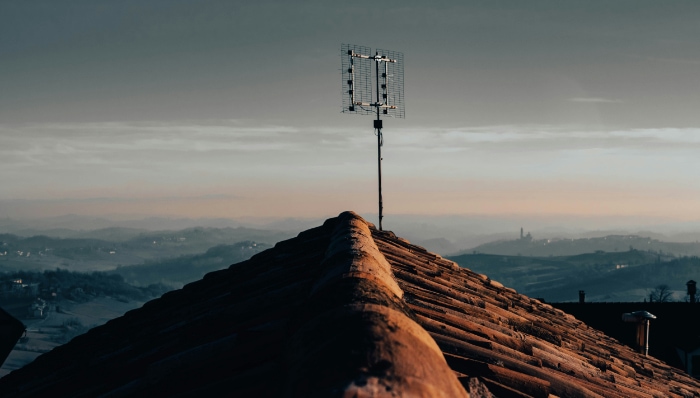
<point>357,337</point>
<point>353,252</point>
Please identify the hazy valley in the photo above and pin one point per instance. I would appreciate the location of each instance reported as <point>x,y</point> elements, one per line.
<point>611,268</point>
<point>64,282</point>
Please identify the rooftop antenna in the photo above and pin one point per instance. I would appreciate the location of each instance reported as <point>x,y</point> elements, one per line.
<point>358,91</point>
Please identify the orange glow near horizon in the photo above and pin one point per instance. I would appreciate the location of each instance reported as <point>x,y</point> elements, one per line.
<point>545,199</point>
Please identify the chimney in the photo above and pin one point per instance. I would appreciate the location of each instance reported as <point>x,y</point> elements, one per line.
<point>691,290</point>
<point>641,318</point>
<point>581,296</point>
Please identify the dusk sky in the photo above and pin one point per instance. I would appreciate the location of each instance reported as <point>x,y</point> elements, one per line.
<point>233,109</point>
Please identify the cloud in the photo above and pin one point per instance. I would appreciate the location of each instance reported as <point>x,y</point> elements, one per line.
<point>124,143</point>
<point>41,158</point>
<point>502,139</point>
<point>102,160</point>
<point>595,100</point>
<point>213,144</point>
<point>224,166</point>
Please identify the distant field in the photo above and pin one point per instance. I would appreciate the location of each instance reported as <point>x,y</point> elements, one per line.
<point>58,328</point>
<point>604,276</point>
<point>568,247</point>
<point>104,250</point>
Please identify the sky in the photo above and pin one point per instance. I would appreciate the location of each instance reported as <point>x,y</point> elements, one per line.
<point>230,109</point>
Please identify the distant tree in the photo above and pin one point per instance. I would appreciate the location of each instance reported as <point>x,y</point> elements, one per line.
<point>661,294</point>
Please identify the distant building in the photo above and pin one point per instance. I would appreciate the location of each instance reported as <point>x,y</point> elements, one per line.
<point>38,309</point>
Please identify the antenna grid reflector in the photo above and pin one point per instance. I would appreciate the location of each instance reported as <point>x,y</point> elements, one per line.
<point>359,64</point>
<point>394,89</point>
<point>357,79</point>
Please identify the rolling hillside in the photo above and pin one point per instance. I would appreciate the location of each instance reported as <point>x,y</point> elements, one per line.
<point>178,271</point>
<point>106,249</point>
<point>605,276</point>
<point>567,247</point>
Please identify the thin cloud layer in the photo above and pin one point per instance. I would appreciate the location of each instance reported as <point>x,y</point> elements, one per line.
<point>545,138</point>
<point>595,100</point>
<point>121,144</point>
<point>68,158</point>
<point>220,164</point>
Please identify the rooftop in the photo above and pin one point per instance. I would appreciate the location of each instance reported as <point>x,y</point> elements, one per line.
<point>346,310</point>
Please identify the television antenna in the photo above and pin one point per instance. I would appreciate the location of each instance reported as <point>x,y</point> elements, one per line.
<point>362,97</point>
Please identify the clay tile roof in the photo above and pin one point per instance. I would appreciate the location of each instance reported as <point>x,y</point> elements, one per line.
<point>349,311</point>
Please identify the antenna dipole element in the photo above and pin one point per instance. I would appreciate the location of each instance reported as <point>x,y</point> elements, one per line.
<point>388,89</point>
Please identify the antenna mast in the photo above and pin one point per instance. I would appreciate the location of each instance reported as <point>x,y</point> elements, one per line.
<point>357,91</point>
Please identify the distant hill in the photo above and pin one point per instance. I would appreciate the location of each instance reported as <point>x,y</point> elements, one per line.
<point>567,247</point>
<point>627,284</point>
<point>605,276</point>
<point>105,249</point>
<point>179,271</point>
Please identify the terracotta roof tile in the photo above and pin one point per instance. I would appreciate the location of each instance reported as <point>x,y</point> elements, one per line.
<point>346,310</point>
<point>500,332</point>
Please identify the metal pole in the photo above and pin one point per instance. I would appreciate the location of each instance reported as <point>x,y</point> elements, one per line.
<point>379,162</point>
<point>352,80</point>
<point>378,125</point>
<point>646,337</point>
